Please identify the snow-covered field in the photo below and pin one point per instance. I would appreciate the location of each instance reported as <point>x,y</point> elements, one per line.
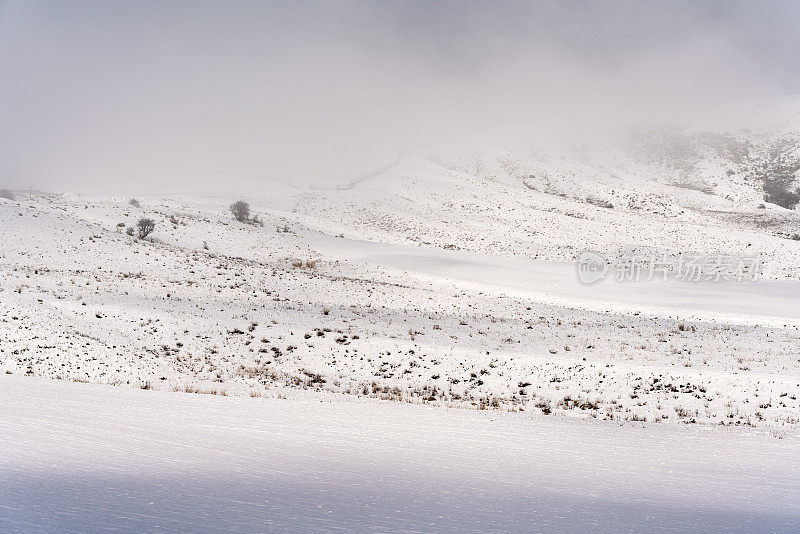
<point>446,283</point>
<point>90,458</point>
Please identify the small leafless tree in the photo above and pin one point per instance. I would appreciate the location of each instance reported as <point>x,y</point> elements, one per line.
<point>241,211</point>
<point>145,227</point>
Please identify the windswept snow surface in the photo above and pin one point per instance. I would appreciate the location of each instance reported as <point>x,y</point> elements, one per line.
<point>92,458</point>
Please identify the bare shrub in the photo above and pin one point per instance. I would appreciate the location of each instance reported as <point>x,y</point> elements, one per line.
<point>5,193</point>
<point>241,211</point>
<point>135,203</point>
<point>682,412</point>
<point>145,227</point>
<point>600,203</point>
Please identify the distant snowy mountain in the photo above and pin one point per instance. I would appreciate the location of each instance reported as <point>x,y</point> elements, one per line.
<point>547,195</point>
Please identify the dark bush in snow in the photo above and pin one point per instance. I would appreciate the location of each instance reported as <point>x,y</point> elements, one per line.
<point>134,202</point>
<point>241,211</point>
<point>5,193</point>
<point>145,227</point>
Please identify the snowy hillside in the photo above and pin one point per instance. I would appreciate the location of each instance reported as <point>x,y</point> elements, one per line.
<point>447,278</point>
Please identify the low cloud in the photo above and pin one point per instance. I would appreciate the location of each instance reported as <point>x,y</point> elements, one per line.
<point>122,96</point>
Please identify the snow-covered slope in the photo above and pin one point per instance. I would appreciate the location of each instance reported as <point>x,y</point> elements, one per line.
<point>211,305</point>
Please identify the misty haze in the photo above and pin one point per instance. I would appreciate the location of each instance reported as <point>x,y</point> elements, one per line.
<point>413,266</point>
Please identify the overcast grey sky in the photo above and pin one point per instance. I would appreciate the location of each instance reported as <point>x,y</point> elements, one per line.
<point>119,96</point>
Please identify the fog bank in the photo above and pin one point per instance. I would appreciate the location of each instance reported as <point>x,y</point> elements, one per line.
<point>105,97</point>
